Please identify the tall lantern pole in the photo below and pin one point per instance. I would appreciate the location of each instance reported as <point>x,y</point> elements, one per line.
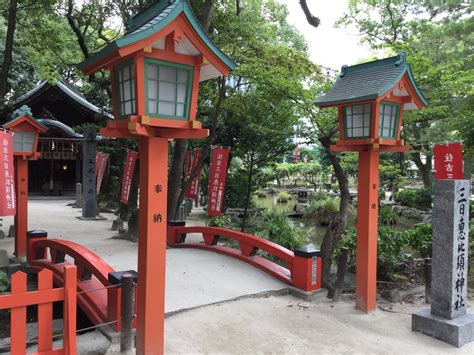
<point>26,131</point>
<point>371,98</point>
<point>156,68</point>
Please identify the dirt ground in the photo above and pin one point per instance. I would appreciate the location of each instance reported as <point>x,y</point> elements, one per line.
<point>287,325</point>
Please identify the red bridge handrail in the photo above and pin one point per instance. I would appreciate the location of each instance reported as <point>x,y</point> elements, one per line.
<point>82,256</point>
<point>271,248</point>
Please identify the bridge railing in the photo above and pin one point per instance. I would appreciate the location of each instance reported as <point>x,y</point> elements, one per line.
<point>301,269</point>
<point>99,298</point>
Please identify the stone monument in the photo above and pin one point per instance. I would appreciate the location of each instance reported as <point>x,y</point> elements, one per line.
<point>89,206</point>
<point>448,319</point>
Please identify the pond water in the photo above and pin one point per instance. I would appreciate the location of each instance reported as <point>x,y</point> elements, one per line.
<point>314,232</point>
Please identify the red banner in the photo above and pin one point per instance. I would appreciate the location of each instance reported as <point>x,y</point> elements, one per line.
<point>448,162</point>
<point>187,163</point>
<point>128,170</point>
<point>7,181</point>
<point>217,178</point>
<point>193,189</point>
<point>101,160</point>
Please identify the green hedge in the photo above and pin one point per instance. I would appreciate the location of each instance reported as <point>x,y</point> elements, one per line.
<point>417,198</point>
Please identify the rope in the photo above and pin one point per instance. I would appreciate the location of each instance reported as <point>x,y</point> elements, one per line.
<point>98,289</point>
<point>431,144</point>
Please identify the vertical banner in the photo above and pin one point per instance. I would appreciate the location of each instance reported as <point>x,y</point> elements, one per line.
<point>128,170</point>
<point>217,178</point>
<point>193,189</point>
<point>187,163</point>
<point>448,162</point>
<point>101,163</point>
<point>7,181</point>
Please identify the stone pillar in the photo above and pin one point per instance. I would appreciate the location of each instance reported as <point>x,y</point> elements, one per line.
<point>89,147</point>
<point>448,319</point>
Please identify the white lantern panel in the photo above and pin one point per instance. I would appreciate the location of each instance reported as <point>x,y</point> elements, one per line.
<point>167,73</point>
<point>152,89</point>
<point>166,108</point>
<point>180,110</point>
<point>152,106</point>
<point>167,91</point>
<point>181,93</point>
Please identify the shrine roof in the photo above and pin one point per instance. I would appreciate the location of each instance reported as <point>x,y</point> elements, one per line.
<point>369,81</point>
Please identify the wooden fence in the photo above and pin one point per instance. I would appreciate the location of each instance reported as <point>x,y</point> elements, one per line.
<point>20,298</point>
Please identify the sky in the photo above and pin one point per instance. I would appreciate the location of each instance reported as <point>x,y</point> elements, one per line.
<point>328,46</point>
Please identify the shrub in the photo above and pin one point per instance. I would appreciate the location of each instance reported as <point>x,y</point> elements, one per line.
<point>283,197</point>
<point>416,198</point>
<point>420,239</point>
<point>221,221</point>
<point>4,282</point>
<point>261,194</point>
<point>318,196</point>
<point>322,211</point>
<point>387,215</point>
<point>279,229</point>
<point>390,255</point>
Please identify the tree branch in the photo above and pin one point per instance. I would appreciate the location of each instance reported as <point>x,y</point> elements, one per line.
<point>312,20</point>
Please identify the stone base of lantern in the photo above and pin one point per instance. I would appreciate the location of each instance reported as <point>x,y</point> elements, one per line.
<point>458,331</point>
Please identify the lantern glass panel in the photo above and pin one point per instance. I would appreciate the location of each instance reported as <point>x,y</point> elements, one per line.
<point>24,142</point>
<point>388,120</point>
<point>125,76</point>
<point>357,120</point>
<point>168,89</point>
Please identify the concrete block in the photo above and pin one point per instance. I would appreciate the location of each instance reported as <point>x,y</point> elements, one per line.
<point>457,332</point>
<point>11,231</point>
<point>14,268</point>
<point>4,261</point>
<point>117,225</point>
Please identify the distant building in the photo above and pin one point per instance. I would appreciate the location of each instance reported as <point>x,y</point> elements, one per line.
<point>59,107</point>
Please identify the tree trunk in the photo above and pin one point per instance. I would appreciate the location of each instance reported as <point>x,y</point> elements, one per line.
<point>174,179</point>
<point>247,197</point>
<point>338,223</point>
<point>206,15</point>
<point>425,169</point>
<point>8,51</point>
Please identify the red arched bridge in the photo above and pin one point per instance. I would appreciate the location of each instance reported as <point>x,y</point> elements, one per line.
<point>99,298</point>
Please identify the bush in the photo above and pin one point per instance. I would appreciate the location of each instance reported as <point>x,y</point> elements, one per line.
<point>261,194</point>
<point>318,196</point>
<point>387,215</point>
<point>279,229</point>
<point>322,211</point>
<point>420,240</point>
<point>416,198</point>
<point>221,221</point>
<point>4,282</point>
<point>283,197</point>
<point>390,255</point>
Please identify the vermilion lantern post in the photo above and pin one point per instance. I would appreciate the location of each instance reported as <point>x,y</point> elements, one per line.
<point>156,68</point>
<point>370,99</point>
<point>26,131</point>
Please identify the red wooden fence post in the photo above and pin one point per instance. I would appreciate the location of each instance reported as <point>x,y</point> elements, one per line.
<point>18,315</point>
<point>307,268</point>
<point>69,309</point>
<point>45,313</point>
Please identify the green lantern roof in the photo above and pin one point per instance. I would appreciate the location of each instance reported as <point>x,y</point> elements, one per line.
<point>152,20</point>
<point>369,81</point>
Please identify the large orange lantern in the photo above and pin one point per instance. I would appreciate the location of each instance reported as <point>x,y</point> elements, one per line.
<point>371,99</point>
<point>156,68</point>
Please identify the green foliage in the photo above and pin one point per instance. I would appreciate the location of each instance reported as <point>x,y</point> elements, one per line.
<point>387,215</point>
<point>421,239</point>
<point>261,194</point>
<point>283,197</point>
<point>318,196</point>
<point>417,198</point>
<point>322,211</point>
<point>390,255</point>
<point>279,229</point>
<point>221,221</point>
<point>4,282</point>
